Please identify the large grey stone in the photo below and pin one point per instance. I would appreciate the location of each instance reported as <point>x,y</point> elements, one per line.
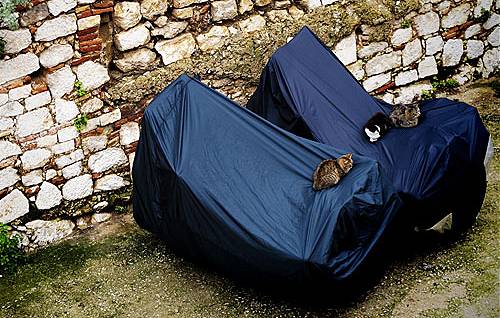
<point>311,4</point>
<point>176,49</point>
<point>78,188</point>
<point>132,38</point>
<point>224,10</point>
<point>213,39</point>
<point>100,217</point>
<point>36,158</point>
<point>406,77</point>
<point>171,29</point>
<point>107,159</point>
<point>5,124</point>
<point>472,30</point>
<point>19,66</point>
<point>401,36</point>
<point>245,6</point>
<point>412,52</point>
<point>382,63</point>
<point>357,70</point>
<point>46,141</point>
<point>427,67</point>
<point>32,178</point>
<point>377,81</point>
<point>494,37</point>
<point>92,105</point>
<point>67,133</point>
<point>38,100</point>
<point>8,149</point>
<point>56,54</point>
<point>8,177</point>
<point>127,14</point>
<point>475,49</point>
<point>13,206</point>
<point>56,28</point>
<point>72,170</point>
<point>346,49</point>
<point>408,93</point>
<point>452,52</point>
<point>63,147</point>
<point>482,5</point>
<point>252,23</point>
<point>89,22</point>
<point>48,197</point>
<point>456,16</point>
<point>61,82</point>
<point>57,7</point>
<point>4,98</point>
<point>66,160</point>
<point>45,232</point>
<point>183,13</point>
<point>92,75</point>
<point>150,9</point>
<point>427,23</point>
<point>66,110</point>
<point>94,143</point>
<point>372,49</point>
<point>129,133</point>
<point>434,45</point>
<point>15,41</point>
<point>35,14</point>
<point>111,117</point>
<point>21,92</point>
<point>109,183</point>
<point>34,122</point>
<point>492,21</point>
<point>491,61</point>
<point>139,59</point>
<point>11,109</point>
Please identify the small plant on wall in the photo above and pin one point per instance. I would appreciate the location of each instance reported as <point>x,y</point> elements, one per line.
<point>80,90</point>
<point>81,122</point>
<point>405,24</point>
<point>8,15</point>
<point>10,253</point>
<point>439,86</point>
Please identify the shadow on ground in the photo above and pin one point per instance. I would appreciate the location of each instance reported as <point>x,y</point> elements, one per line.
<point>119,270</point>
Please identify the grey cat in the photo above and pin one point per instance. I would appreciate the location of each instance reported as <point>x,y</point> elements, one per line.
<point>405,115</point>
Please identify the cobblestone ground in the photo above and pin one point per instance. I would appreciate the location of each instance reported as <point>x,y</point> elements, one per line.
<point>118,270</point>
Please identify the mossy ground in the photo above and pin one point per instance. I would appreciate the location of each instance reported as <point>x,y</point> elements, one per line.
<point>118,270</point>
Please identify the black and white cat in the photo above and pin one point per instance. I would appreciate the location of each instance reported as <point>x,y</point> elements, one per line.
<point>377,126</point>
<point>402,116</point>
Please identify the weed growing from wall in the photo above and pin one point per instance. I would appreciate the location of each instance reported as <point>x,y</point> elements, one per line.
<point>8,15</point>
<point>81,122</point>
<point>80,90</point>
<point>10,253</point>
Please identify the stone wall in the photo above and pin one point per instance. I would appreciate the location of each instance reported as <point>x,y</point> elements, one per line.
<point>66,152</point>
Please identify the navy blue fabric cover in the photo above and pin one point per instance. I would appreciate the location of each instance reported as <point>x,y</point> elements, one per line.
<point>222,185</point>
<point>437,167</point>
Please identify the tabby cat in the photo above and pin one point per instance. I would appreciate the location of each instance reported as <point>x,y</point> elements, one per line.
<point>329,172</point>
<point>405,115</point>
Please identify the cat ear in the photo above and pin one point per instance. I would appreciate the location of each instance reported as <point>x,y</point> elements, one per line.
<point>348,156</point>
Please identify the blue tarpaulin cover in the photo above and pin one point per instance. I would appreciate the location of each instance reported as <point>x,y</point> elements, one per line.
<point>437,166</point>
<point>222,185</point>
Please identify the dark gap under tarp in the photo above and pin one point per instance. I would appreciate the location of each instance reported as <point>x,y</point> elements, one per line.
<point>437,166</point>
<point>221,185</point>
